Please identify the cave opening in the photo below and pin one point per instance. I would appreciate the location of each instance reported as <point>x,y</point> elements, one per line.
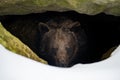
<point>102,31</point>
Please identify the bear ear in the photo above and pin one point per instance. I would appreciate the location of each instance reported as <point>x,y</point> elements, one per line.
<point>75,26</point>
<point>43,27</point>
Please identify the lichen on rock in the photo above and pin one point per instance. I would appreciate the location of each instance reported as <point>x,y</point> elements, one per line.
<point>15,45</point>
<point>90,7</point>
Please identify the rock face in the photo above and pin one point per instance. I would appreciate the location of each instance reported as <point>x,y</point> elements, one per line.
<point>90,7</point>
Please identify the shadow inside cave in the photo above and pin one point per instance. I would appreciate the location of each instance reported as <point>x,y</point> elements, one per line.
<point>103,31</point>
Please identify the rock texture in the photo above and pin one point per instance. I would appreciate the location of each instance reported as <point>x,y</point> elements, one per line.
<point>90,7</point>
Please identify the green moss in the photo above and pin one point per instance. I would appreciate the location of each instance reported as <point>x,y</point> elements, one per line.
<point>90,7</point>
<point>43,3</point>
<point>113,11</point>
<point>15,45</point>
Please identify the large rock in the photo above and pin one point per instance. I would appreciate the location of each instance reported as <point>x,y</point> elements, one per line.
<point>90,7</point>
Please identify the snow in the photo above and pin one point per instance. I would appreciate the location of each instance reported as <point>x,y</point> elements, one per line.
<point>16,67</point>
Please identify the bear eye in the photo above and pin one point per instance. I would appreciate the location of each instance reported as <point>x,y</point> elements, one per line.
<point>53,51</point>
<point>69,50</point>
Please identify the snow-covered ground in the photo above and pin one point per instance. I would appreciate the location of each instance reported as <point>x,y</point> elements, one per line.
<point>16,67</point>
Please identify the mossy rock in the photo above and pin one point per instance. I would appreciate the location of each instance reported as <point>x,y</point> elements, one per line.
<point>90,7</point>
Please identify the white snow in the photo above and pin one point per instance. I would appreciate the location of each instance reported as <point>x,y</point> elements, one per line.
<point>16,67</point>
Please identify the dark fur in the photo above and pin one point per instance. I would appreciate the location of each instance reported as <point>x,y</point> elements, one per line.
<point>59,45</point>
<point>99,37</point>
<point>47,39</point>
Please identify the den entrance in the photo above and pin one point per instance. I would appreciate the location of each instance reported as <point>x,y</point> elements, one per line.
<point>96,35</point>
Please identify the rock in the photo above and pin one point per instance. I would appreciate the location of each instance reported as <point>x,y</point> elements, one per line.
<point>90,7</point>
